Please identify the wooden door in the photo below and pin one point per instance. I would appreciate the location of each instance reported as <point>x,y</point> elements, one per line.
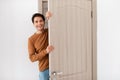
<point>70,32</point>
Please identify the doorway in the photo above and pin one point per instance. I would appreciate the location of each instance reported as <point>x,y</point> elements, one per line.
<point>73,33</point>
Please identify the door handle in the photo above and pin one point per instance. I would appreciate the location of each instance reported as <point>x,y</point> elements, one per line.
<point>54,75</point>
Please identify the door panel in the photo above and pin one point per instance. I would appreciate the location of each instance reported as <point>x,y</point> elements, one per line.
<point>70,33</point>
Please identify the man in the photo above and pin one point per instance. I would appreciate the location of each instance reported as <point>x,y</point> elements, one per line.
<point>38,46</point>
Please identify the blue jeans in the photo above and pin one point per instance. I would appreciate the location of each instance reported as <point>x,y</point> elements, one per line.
<point>44,75</point>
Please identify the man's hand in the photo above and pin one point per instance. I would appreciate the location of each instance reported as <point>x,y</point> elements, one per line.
<point>48,15</point>
<point>49,48</point>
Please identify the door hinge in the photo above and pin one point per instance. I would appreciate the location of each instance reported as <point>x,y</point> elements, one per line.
<point>91,14</point>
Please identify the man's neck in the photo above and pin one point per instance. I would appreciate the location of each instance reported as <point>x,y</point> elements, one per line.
<point>39,32</point>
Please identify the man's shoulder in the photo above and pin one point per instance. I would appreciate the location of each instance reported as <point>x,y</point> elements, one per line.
<point>32,36</point>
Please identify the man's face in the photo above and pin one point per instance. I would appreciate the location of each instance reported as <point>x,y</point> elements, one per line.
<point>39,23</point>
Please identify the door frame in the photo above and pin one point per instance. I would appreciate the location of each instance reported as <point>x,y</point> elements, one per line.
<point>94,35</point>
<point>94,41</point>
<point>40,7</point>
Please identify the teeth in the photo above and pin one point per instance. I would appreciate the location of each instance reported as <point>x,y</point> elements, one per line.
<point>39,28</point>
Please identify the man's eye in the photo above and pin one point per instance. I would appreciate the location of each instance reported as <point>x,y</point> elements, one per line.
<point>36,21</point>
<point>41,20</point>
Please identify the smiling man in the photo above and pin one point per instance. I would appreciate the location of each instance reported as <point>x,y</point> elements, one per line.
<point>38,47</point>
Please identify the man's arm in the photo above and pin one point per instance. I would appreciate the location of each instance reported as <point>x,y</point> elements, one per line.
<point>32,54</point>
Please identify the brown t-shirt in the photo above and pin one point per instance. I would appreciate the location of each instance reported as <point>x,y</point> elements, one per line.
<point>37,45</point>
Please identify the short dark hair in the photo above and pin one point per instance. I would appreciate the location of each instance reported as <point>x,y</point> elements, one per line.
<point>38,15</point>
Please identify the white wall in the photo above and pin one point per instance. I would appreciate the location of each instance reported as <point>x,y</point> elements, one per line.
<point>15,27</point>
<point>108,39</point>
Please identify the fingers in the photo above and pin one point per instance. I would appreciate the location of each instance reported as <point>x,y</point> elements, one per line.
<point>48,14</point>
<point>49,48</point>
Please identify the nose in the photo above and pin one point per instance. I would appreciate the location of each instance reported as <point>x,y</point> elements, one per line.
<point>39,22</point>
